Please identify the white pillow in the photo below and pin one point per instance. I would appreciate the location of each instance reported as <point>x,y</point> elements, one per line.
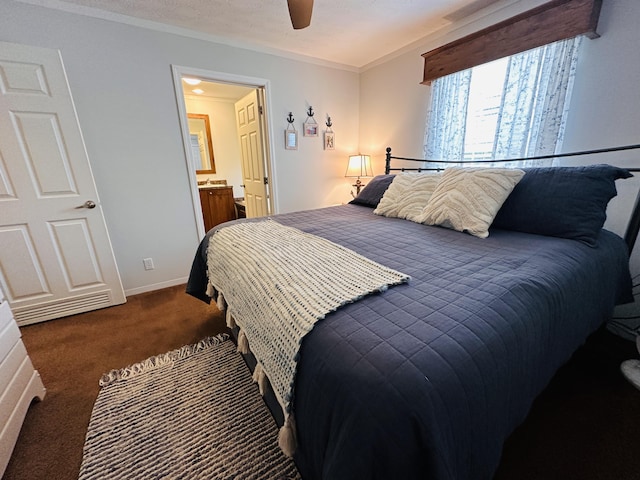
<point>407,195</point>
<point>468,199</point>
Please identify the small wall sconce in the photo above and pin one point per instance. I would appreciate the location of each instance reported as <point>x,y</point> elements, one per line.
<point>359,166</point>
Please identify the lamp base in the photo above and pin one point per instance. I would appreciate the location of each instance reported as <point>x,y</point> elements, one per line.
<point>358,186</point>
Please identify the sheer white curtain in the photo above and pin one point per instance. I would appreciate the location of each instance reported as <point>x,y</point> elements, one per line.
<point>532,112</point>
<point>535,101</point>
<point>446,117</point>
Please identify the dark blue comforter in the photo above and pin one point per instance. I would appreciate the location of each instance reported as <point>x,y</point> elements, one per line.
<point>427,380</point>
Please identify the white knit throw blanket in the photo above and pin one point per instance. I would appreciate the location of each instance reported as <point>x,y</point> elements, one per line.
<point>278,281</point>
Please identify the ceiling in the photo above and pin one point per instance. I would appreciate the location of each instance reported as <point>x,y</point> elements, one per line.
<point>349,32</point>
<point>220,91</point>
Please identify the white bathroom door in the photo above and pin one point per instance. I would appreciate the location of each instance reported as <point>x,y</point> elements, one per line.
<point>56,258</point>
<point>254,178</point>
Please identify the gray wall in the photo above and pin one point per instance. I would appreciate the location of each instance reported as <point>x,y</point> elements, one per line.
<point>121,81</point>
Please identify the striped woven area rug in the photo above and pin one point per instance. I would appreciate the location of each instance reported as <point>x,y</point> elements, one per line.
<point>193,413</point>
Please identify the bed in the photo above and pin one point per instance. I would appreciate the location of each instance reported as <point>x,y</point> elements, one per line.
<point>428,378</point>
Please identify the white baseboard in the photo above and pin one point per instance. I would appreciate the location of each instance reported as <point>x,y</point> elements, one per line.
<point>156,286</point>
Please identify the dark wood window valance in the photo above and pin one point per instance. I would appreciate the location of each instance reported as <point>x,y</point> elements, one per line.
<point>548,23</point>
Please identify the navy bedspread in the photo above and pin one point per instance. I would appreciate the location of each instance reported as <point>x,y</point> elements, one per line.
<point>427,380</point>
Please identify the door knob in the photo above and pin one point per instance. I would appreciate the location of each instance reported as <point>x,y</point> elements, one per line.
<point>88,204</point>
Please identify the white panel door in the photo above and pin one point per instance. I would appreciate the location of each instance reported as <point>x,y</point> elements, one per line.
<point>55,254</point>
<point>248,112</point>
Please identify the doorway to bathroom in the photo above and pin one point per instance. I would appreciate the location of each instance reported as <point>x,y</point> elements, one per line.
<point>224,122</point>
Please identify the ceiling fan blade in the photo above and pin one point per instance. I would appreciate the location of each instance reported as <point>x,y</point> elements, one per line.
<point>300,13</point>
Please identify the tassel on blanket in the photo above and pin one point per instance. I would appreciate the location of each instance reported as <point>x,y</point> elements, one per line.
<point>221,303</point>
<point>210,290</point>
<point>243,343</point>
<point>287,437</point>
<point>260,378</point>
<point>231,323</point>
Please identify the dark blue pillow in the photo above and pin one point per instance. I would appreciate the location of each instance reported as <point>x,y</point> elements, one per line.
<point>566,202</point>
<point>371,194</point>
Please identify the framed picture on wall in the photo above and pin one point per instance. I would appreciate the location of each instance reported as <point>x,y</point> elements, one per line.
<point>329,140</point>
<point>291,139</point>
<point>310,128</point>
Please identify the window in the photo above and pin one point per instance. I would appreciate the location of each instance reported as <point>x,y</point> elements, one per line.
<point>510,108</point>
<point>483,109</point>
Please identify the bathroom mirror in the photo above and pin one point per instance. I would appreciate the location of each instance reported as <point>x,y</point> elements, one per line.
<point>200,142</point>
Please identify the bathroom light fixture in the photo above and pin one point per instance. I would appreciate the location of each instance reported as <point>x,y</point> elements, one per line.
<point>198,91</point>
<point>191,81</point>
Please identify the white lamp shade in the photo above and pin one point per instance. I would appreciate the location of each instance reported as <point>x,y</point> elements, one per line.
<point>359,166</point>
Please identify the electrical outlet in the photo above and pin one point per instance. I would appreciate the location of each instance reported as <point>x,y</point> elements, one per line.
<point>148,263</point>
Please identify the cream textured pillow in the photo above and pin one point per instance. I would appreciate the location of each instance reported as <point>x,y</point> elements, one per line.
<point>407,195</point>
<point>468,199</point>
